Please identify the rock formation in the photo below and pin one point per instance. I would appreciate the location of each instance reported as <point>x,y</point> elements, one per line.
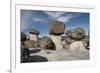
<point>56,29</point>
<point>47,43</point>
<point>66,42</point>
<point>34,35</point>
<point>76,34</point>
<point>77,46</point>
<point>77,39</point>
<point>31,44</point>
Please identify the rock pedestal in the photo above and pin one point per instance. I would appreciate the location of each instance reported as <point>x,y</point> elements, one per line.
<point>34,35</point>
<point>57,41</point>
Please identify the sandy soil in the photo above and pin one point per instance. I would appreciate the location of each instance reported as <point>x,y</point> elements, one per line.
<point>61,55</point>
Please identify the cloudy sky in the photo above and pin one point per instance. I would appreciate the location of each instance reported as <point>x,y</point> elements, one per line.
<point>40,20</point>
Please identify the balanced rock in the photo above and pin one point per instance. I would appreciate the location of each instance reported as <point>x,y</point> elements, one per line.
<point>56,27</point>
<point>34,31</point>
<point>47,43</point>
<point>34,34</point>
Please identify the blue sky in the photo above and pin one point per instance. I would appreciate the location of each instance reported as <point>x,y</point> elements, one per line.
<point>40,20</point>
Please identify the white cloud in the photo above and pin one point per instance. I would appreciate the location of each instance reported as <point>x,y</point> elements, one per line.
<point>37,19</point>
<point>65,18</point>
<point>60,16</point>
<point>54,14</point>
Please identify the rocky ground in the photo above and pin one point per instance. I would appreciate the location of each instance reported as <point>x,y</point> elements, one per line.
<point>39,55</point>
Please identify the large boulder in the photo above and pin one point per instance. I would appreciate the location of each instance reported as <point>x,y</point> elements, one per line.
<point>77,46</point>
<point>25,54</point>
<point>76,34</point>
<point>66,42</point>
<point>31,44</point>
<point>23,36</point>
<point>56,27</point>
<point>34,31</point>
<point>68,32</point>
<point>47,43</point>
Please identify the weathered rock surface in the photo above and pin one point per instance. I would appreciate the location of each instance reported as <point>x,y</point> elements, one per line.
<point>68,32</point>
<point>66,42</point>
<point>31,44</point>
<point>47,43</point>
<point>77,46</point>
<point>76,34</point>
<point>56,27</point>
<point>34,31</point>
<point>57,40</point>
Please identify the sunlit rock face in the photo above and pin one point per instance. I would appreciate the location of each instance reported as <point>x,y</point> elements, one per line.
<point>56,29</point>
<point>77,46</point>
<point>34,34</point>
<point>57,41</point>
<point>33,37</point>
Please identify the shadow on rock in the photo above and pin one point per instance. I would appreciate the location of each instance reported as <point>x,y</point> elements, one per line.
<point>36,58</point>
<point>35,51</point>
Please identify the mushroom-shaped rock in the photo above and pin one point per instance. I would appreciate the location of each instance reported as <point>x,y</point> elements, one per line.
<point>34,31</point>
<point>47,43</point>
<point>23,36</point>
<point>56,27</point>
<point>34,34</point>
